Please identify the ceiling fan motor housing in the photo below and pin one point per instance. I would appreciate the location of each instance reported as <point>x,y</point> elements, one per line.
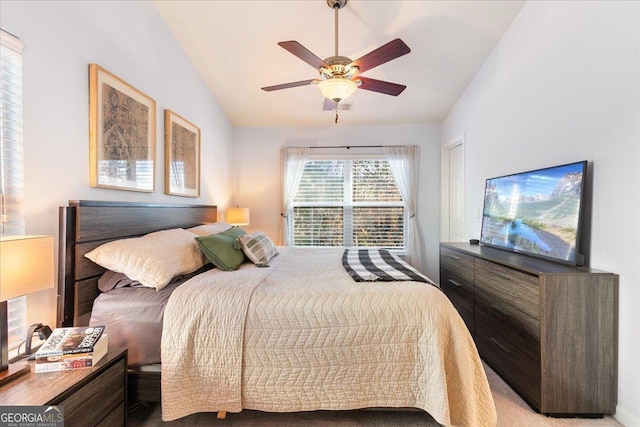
<point>338,68</point>
<point>333,4</point>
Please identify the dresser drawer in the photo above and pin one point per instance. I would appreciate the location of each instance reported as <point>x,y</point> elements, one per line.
<point>500,312</point>
<point>468,317</point>
<point>517,289</point>
<point>457,263</point>
<point>94,401</point>
<point>515,357</point>
<point>458,290</point>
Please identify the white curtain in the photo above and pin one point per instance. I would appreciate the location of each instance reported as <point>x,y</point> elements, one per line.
<point>404,166</point>
<point>293,160</point>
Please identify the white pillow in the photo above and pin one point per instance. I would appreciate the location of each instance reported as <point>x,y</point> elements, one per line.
<point>154,259</point>
<point>209,229</point>
<point>258,247</point>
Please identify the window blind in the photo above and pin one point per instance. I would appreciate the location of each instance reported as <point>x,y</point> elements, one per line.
<point>373,181</point>
<point>322,181</point>
<point>16,323</point>
<point>11,162</point>
<point>11,167</point>
<point>378,226</point>
<point>348,203</point>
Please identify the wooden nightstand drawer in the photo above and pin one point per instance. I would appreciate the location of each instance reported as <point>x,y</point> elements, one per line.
<point>91,396</point>
<point>115,417</point>
<point>95,400</point>
<point>522,291</point>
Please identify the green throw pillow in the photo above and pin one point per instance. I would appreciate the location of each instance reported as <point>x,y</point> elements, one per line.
<point>220,249</point>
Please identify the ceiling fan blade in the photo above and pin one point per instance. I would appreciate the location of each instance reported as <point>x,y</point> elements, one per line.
<point>392,50</point>
<point>303,53</point>
<point>381,86</point>
<point>288,85</point>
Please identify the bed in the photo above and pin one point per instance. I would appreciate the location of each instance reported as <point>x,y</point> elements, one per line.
<point>300,335</point>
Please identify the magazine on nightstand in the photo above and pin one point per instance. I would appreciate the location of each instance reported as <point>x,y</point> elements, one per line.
<point>72,348</point>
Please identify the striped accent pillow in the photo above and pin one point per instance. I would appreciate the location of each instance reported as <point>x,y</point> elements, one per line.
<point>258,247</point>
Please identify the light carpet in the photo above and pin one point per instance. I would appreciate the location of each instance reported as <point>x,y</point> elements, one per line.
<point>512,412</point>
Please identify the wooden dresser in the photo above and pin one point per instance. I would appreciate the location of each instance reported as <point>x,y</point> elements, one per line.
<point>94,396</point>
<point>548,329</point>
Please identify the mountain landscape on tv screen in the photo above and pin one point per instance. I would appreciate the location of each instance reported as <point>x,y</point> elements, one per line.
<point>543,222</point>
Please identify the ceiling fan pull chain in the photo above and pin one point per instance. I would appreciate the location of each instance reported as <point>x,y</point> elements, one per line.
<point>336,121</point>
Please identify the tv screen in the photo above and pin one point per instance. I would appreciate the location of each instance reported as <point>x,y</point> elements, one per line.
<point>536,212</point>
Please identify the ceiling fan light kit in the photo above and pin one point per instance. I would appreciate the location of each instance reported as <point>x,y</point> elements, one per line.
<point>339,75</point>
<point>337,89</point>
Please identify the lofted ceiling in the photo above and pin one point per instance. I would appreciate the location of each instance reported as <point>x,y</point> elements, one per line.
<point>233,45</point>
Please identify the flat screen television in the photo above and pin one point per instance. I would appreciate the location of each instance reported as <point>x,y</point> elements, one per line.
<point>536,212</point>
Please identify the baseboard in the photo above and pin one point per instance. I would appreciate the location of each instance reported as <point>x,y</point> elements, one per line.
<point>625,417</point>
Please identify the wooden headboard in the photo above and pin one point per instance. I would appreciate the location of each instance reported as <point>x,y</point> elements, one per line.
<point>85,225</point>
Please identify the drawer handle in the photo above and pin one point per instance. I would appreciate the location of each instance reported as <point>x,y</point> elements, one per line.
<point>457,258</point>
<point>499,345</point>
<point>454,283</point>
<point>504,276</point>
<point>496,308</point>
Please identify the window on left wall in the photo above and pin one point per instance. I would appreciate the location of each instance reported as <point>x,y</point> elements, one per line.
<point>12,166</point>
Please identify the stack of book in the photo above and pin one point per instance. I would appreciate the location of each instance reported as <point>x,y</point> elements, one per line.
<point>72,348</point>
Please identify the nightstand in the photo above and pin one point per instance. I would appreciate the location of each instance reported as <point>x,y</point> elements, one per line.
<point>91,396</point>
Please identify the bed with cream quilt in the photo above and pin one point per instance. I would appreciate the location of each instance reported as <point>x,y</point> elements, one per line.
<point>302,335</point>
<point>298,335</point>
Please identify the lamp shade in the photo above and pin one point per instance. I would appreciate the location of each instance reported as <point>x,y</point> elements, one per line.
<point>337,88</point>
<point>238,216</point>
<point>26,265</point>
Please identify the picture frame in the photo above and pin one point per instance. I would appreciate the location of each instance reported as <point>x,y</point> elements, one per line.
<point>181,156</point>
<point>122,134</point>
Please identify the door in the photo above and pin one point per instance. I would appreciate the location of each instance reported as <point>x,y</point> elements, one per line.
<point>456,193</point>
<point>452,191</point>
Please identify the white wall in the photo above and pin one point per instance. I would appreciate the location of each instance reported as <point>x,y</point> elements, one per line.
<point>61,39</point>
<point>257,165</point>
<point>563,85</point>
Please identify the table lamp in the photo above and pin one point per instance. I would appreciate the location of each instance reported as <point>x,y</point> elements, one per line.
<point>26,266</point>
<point>238,216</point>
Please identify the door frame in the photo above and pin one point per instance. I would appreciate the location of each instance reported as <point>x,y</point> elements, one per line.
<point>445,219</point>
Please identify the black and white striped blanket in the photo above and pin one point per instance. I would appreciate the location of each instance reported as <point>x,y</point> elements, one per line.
<point>379,265</point>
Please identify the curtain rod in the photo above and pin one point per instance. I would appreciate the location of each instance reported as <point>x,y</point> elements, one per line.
<point>350,146</point>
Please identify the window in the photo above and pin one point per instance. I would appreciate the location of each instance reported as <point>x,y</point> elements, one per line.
<point>11,170</point>
<point>348,203</point>
<point>11,165</point>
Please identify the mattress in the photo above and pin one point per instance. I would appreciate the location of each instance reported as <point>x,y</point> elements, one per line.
<point>133,316</point>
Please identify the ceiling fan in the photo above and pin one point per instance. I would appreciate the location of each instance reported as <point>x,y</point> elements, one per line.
<point>339,75</point>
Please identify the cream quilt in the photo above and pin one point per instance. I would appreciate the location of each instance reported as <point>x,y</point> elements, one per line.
<point>303,335</point>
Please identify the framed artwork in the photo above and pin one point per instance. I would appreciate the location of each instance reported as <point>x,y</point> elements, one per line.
<point>122,133</point>
<point>181,156</point>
